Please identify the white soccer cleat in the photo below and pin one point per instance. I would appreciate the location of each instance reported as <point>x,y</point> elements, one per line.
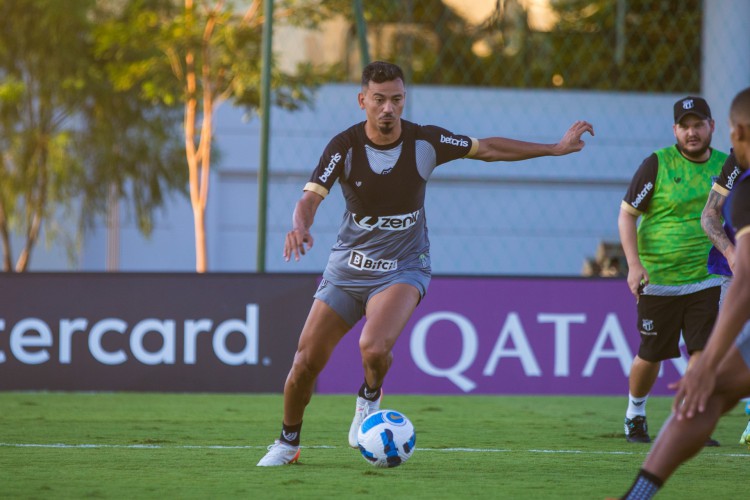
<point>364,408</point>
<point>745,438</point>
<point>279,454</point>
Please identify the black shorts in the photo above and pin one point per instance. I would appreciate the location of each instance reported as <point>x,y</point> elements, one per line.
<point>661,319</point>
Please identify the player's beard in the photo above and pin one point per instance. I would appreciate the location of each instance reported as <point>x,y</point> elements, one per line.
<point>696,151</point>
<point>386,127</point>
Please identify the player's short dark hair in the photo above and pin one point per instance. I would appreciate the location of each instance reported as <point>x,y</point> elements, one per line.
<point>740,104</point>
<point>381,71</point>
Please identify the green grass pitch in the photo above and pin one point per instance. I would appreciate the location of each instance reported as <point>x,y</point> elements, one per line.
<point>131,445</point>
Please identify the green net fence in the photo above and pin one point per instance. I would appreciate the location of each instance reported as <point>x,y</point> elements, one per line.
<point>516,68</point>
<point>524,69</point>
<point>628,45</point>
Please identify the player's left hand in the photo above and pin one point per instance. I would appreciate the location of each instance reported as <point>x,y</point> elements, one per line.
<point>571,142</point>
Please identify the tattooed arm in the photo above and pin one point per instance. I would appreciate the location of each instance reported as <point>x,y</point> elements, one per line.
<point>711,221</point>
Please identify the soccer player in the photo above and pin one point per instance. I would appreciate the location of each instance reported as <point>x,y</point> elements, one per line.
<point>721,376</point>
<point>666,254</point>
<point>379,267</point>
<point>721,256</point>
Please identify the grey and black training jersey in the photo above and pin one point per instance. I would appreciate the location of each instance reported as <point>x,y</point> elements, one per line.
<point>730,172</point>
<point>384,227</point>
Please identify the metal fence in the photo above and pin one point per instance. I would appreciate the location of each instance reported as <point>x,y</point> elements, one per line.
<point>626,45</point>
<point>518,68</point>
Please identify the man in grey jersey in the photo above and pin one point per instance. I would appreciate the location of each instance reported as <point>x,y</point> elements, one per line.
<point>380,266</point>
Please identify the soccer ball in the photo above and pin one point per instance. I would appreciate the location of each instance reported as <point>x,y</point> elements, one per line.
<point>386,438</point>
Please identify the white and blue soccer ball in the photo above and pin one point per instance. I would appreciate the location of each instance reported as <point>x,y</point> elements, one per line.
<point>386,438</point>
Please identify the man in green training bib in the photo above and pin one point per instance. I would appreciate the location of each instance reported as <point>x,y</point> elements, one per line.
<point>666,254</point>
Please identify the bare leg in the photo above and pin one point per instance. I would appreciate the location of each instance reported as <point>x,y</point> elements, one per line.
<point>642,376</point>
<point>387,315</point>
<point>323,330</point>
<point>679,440</point>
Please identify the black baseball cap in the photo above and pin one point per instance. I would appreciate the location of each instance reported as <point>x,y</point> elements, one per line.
<point>691,105</point>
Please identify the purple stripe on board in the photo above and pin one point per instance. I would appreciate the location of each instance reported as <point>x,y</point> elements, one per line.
<point>510,336</point>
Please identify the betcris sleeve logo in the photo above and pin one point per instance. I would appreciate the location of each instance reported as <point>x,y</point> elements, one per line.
<point>330,167</point>
<point>638,199</point>
<point>733,177</point>
<point>386,222</point>
<point>454,141</point>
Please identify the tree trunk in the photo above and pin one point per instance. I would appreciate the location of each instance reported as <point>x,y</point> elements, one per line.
<point>199,156</point>
<point>5,237</point>
<point>193,154</point>
<point>201,258</point>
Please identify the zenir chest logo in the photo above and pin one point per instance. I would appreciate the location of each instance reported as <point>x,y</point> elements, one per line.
<point>386,222</point>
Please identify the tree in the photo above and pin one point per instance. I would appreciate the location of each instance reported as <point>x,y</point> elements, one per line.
<point>636,45</point>
<point>201,56</point>
<point>627,45</point>
<point>66,135</point>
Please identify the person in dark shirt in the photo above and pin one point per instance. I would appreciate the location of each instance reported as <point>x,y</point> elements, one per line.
<point>676,296</point>
<point>721,234</point>
<point>379,267</point>
<point>721,376</point>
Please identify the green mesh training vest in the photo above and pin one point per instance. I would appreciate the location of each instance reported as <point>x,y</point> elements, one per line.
<point>671,243</point>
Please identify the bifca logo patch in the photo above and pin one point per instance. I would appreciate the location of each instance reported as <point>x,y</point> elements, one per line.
<point>360,261</point>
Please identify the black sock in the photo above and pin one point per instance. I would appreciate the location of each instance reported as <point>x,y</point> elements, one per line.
<point>290,433</point>
<point>368,392</point>
<point>644,487</point>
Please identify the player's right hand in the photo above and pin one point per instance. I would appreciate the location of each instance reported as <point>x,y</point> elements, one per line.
<point>295,242</point>
<point>637,280</point>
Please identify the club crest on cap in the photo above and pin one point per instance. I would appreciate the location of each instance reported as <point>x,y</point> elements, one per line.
<point>691,105</point>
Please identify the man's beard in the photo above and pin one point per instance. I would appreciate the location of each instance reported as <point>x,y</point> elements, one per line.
<point>696,153</point>
<point>386,128</point>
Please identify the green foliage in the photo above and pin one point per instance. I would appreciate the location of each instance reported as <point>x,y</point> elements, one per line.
<point>147,42</point>
<point>649,45</point>
<point>660,44</point>
<point>69,133</point>
<point>130,445</point>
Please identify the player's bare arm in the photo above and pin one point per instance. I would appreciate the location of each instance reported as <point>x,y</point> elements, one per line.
<point>711,222</point>
<point>504,149</point>
<point>299,239</point>
<point>694,389</point>
<point>637,274</point>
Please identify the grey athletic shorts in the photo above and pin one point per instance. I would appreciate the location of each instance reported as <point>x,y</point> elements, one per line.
<point>350,300</point>
<point>725,282</point>
<point>743,343</point>
<point>743,339</point>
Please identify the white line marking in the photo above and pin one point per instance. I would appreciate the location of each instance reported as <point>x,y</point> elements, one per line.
<point>325,447</point>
